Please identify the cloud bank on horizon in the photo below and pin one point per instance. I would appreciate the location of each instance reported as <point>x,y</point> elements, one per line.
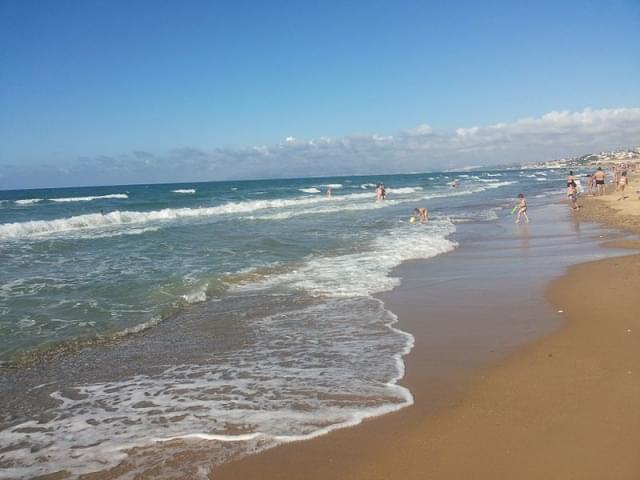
<point>554,135</point>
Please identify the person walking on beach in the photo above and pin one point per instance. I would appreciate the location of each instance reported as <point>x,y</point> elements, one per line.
<point>521,207</point>
<point>600,177</point>
<point>622,183</point>
<point>572,195</point>
<point>571,180</point>
<point>421,213</point>
<point>617,171</point>
<point>590,184</point>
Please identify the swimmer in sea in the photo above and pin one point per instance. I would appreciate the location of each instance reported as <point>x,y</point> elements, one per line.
<point>421,213</point>
<point>454,184</point>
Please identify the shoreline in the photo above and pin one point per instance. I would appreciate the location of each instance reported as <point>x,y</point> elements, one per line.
<point>490,412</point>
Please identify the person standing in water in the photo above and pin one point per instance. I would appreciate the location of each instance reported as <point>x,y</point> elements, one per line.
<point>521,206</point>
<point>454,184</point>
<point>328,193</point>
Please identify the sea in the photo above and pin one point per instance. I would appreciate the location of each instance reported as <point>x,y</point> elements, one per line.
<point>226,316</point>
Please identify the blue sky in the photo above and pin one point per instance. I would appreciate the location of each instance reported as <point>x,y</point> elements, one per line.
<point>88,86</point>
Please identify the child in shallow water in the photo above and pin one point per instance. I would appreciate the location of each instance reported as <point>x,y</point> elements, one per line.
<point>522,208</point>
<point>421,213</point>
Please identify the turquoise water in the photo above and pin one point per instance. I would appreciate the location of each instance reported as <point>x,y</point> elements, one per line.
<point>255,299</point>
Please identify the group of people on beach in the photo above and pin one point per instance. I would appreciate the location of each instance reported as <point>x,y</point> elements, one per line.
<point>596,181</point>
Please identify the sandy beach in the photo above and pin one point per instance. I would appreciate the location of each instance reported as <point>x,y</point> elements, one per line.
<point>562,406</point>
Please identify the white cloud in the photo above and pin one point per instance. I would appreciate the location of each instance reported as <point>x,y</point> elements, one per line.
<point>553,135</point>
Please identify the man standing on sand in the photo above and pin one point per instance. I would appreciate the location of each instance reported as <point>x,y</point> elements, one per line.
<point>600,177</point>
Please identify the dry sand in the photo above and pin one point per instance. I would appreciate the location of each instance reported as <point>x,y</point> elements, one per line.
<point>564,407</point>
<point>611,210</point>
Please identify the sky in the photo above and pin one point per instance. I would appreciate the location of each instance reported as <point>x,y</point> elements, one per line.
<point>114,92</point>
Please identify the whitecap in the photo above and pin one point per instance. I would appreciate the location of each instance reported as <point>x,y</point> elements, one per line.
<point>121,196</point>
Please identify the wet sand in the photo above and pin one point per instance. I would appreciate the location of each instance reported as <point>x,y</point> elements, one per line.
<point>506,383</point>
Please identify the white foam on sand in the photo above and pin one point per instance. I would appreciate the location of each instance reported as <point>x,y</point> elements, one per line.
<point>346,351</point>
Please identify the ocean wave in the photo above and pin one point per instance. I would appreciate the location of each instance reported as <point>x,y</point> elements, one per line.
<point>309,190</point>
<point>29,201</point>
<point>39,228</point>
<point>332,185</point>
<point>121,196</point>
<point>404,190</point>
<point>88,222</point>
<point>184,190</point>
<point>368,185</point>
<point>367,272</point>
<point>197,295</point>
